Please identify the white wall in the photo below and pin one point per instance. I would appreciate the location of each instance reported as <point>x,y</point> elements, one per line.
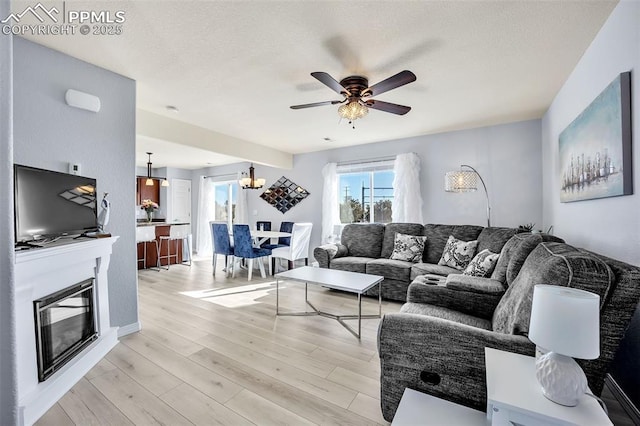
<point>49,134</point>
<point>507,156</point>
<point>8,381</point>
<point>610,226</point>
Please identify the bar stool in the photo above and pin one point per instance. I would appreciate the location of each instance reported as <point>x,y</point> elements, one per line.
<point>144,235</point>
<point>176,232</point>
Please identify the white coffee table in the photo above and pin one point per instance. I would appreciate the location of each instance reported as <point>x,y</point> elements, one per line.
<point>352,282</point>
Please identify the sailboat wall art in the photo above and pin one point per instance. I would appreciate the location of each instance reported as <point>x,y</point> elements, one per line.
<point>595,149</point>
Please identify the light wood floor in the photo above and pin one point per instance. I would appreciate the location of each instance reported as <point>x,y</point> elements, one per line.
<point>212,351</point>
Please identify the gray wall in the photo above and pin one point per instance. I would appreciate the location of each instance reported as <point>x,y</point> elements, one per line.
<point>8,383</point>
<point>507,156</point>
<point>610,225</point>
<point>49,134</point>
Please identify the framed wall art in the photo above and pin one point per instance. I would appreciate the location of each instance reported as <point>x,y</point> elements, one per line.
<point>595,149</point>
<point>284,194</point>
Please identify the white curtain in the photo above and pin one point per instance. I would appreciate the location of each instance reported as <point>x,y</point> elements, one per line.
<point>242,212</point>
<point>407,195</point>
<point>206,213</point>
<point>330,206</point>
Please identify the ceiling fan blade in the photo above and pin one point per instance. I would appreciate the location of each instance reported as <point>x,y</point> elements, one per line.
<point>388,107</point>
<point>315,104</point>
<point>400,79</point>
<point>329,81</point>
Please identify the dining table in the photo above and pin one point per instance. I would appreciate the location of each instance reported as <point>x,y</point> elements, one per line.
<point>260,236</point>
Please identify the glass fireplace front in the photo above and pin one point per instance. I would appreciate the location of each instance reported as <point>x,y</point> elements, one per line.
<point>65,325</point>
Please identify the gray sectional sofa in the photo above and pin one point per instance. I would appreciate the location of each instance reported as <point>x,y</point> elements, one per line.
<point>435,344</point>
<point>367,247</point>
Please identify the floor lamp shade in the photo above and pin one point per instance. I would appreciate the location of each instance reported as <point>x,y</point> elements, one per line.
<point>566,322</point>
<point>461,181</point>
<point>466,180</point>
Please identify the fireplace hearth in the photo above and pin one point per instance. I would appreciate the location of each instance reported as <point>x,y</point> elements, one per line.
<point>74,332</point>
<point>65,323</point>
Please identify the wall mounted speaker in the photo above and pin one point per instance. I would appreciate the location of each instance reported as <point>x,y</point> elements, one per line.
<point>82,100</point>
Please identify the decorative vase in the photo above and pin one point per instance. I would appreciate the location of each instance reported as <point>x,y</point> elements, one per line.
<point>149,215</point>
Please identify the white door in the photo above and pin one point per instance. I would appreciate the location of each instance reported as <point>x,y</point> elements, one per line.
<point>180,201</point>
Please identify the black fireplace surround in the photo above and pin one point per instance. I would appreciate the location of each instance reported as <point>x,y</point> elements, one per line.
<point>64,325</point>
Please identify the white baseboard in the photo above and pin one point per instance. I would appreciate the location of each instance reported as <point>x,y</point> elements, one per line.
<point>129,329</point>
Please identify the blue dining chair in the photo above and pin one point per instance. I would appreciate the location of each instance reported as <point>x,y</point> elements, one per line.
<point>264,225</point>
<point>285,227</point>
<point>221,244</point>
<point>243,249</point>
<point>282,241</point>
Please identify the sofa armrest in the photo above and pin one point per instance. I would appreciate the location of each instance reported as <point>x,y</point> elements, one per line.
<point>469,302</point>
<point>439,357</point>
<point>325,253</point>
<point>475,284</point>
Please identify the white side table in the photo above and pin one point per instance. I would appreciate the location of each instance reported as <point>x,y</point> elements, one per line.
<point>514,396</point>
<point>417,408</point>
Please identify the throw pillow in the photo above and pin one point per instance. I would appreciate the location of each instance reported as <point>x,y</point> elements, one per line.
<point>482,264</point>
<point>408,247</point>
<point>457,253</point>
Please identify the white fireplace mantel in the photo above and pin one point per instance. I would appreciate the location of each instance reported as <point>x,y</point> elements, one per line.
<point>39,273</point>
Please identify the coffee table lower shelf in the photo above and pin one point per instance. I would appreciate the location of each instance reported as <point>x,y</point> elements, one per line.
<point>310,275</point>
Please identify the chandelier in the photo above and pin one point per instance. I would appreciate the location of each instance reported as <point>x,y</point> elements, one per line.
<point>250,182</point>
<point>353,110</point>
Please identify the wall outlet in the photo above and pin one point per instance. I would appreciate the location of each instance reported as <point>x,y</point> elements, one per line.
<point>74,168</point>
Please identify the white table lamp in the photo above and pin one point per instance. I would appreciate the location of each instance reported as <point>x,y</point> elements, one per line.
<point>566,322</point>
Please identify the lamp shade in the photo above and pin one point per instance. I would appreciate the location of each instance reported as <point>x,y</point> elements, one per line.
<point>566,321</point>
<point>461,181</point>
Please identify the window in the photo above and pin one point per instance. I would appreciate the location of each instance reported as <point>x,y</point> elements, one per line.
<point>225,195</point>
<point>366,195</point>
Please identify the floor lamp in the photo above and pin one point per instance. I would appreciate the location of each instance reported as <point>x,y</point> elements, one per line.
<point>466,181</point>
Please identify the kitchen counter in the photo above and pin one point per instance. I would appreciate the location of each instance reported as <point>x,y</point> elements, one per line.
<point>161,229</point>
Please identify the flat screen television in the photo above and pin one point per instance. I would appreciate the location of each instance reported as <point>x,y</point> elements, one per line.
<point>52,204</point>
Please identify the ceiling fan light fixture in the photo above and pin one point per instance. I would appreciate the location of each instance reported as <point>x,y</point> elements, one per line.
<point>353,110</point>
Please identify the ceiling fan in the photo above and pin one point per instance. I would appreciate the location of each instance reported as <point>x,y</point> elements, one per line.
<point>357,94</point>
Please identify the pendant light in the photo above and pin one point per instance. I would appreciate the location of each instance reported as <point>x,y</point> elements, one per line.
<point>149,181</point>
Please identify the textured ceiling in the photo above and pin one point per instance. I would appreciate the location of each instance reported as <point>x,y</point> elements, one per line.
<point>235,67</point>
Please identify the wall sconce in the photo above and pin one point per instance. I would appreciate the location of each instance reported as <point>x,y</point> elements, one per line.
<point>82,100</point>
